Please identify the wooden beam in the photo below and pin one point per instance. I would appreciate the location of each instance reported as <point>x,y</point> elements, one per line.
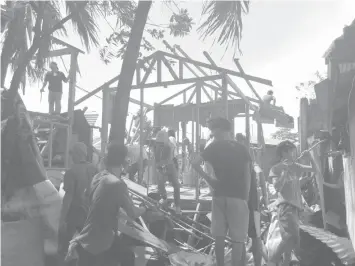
<point>199,68</point>
<point>198,133</point>
<point>191,96</point>
<point>57,53</point>
<point>219,69</point>
<point>170,69</point>
<point>225,95</point>
<point>178,93</point>
<point>241,70</point>
<point>230,81</point>
<point>71,99</point>
<point>178,82</point>
<point>73,48</point>
<point>141,127</point>
<point>159,70</point>
<point>181,70</point>
<point>207,94</point>
<point>247,124</point>
<point>149,71</point>
<point>103,86</point>
<point>105,117</point>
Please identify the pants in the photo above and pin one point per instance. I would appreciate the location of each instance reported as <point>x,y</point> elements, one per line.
<point>171,173</point>
<point>134,169</point>
<point>120,252</point>
<point>230,215</point>
<point>64,238</point>
<point>54,101</point>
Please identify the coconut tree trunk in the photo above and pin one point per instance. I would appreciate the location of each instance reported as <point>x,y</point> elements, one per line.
<point>120,108</point>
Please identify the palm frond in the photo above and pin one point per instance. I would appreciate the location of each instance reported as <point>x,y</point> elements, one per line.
<point>84,22</point>
<point>224,18</point>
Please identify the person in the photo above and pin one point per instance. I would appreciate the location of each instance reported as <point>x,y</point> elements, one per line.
<point>173,143</point>
<point>230,162</point>
<point>76,184</point>
<point>54,79</point>
<point>98,243</point>
<point>134,156</point>
<point>269,98</point>
<point>166,168</point>
<point>254,211</point>
<point>285,176</point>
<point>207,167</point>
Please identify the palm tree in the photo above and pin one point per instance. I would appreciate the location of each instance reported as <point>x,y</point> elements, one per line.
<point>223,16</point>
<point>27,40</point>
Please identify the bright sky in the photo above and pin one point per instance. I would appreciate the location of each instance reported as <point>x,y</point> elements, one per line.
<point>283,41</point>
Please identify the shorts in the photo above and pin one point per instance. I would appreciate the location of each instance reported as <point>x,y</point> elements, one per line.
<point>54,97</point>
<point>230,215</point>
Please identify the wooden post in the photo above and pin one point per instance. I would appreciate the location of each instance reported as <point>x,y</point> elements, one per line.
<point>183,129</point>
<point>303,125</point>
<point>106,113</point>
<point>247,123</point>
<point>71,100</point>
<point>159,70</point>
<point>225,95</point>
<point>50,150</point>
<point>198,133</point>
<point>141,127</point>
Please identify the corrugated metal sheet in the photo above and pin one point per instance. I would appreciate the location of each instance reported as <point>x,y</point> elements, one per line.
<point>340,245</point>
<point>91,118</point>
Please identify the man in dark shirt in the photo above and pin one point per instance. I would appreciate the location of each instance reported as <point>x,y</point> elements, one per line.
<point>98,243</point>
<point>55,80</point>
<point>231,184</point>
<point>76,184</point>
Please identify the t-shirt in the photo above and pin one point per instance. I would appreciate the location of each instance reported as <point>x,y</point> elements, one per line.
<point>290,192</point>
<point>108,195</point>
<point>55,81</point>
<point>228,159</point>
<point>77,182</point>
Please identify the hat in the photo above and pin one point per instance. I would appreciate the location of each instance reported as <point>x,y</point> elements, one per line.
<point>79,149</point>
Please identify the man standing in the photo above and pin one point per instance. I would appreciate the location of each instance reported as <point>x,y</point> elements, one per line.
<point>172,139</point>
<point>98,243</point>
<point>231,184</point>
<point>254,210</point>
<point>164,160</point>
<point>285,176</point>
<point>76,184</point>
<point>55,80</point>
<point>134,154</point>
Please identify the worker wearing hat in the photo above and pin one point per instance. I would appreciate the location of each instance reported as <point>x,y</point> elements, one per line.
<point>164,159</point>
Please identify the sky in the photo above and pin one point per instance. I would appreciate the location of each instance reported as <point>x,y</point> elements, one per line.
<point>283,41</point>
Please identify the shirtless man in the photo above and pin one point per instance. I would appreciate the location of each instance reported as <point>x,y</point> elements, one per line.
<point>269,98</point>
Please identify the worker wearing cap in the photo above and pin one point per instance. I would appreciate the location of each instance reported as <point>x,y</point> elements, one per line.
<point>76,184</point>
<point>164,159</point>
<point>285,176</point>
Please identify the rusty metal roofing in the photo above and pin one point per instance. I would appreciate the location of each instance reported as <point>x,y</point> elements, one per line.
<point>340,245</point>
<point>91,118</point>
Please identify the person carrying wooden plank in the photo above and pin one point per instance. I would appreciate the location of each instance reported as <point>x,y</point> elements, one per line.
<point>99,244</point>
<point>231,164</point>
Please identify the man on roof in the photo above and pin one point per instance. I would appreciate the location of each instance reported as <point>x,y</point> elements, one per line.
<point>269,98</point>
<point>54,79</point>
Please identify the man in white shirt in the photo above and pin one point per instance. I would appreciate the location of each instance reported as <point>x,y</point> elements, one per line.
<point>134,156</point>
<point>173,144</point>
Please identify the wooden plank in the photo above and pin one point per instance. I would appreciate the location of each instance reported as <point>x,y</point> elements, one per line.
<point>192,96</point>
<point>241,70</point>
<point>177,94</point>
<point>207,94</point>
<point>149,71</point>
<point>170,69</point>
<point>219,69</point>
